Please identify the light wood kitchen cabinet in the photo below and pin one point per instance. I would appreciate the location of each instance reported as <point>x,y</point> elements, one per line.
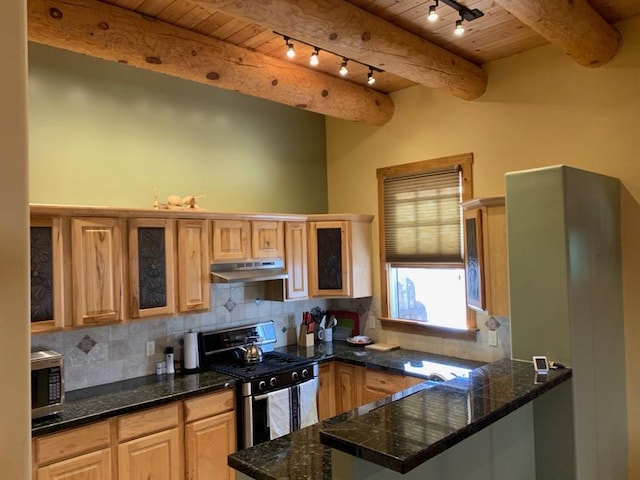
<point>150,444</point>
<point>194,292</point>
<point>487,282</point>
<point>349,380</point>
<point>152,267</point>
<point>326,391</point>
<point>83,453</point>
<point>340,263</point>
<point>47,275</point>
<point>97,270</point>
<point>296,286</point>
<point>379,384</point>
<point>244,240</point>
<point>210,436</point>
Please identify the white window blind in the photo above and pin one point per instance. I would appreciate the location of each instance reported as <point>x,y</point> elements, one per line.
<point>422,217</point>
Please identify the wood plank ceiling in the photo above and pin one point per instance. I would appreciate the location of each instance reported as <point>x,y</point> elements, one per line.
<point>233,44</point>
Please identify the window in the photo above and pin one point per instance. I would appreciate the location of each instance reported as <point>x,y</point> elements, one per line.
<point>423,275</point>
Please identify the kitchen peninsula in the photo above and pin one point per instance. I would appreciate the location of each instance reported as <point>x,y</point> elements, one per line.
<point>403,431</point>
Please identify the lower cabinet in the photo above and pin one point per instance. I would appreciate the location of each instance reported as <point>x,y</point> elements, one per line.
<point>150,444</point>
<point>326,391</point>
<point>349,381</point>
<point>343,387</point>
<point>83,453</point>
<point>379,384</point>
<point>210,436</point>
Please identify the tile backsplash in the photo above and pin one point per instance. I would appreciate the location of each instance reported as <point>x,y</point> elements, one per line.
<point>98,355</point>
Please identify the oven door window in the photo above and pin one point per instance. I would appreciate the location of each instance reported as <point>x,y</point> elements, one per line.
<point>260,420</point>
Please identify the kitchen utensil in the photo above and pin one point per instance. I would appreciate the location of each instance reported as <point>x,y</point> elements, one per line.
<point>328,335</point>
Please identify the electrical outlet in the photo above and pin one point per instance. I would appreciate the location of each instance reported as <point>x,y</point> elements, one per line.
<point>493,338</point>
<point>151,348</point>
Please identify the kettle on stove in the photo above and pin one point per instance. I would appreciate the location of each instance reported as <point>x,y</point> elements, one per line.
<point>252,353</point>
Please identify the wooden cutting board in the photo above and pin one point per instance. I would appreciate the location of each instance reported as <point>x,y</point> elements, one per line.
<point>382,347</point>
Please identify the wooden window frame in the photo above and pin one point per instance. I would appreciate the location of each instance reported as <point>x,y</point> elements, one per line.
<point>465,162</point>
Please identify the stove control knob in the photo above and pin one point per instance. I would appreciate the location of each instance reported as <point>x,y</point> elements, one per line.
<point>305,373</point>
<point>262,385</point>
<point>294,376</point>
<point>273,381</point>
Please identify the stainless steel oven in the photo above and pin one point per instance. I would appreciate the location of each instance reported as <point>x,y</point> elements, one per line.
<point>275,395</point>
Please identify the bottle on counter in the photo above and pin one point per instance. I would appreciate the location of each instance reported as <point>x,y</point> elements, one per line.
<point>168,351</point>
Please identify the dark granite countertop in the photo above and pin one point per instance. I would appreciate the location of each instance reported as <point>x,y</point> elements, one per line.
<point>95,403</point>
<point>405,430</point>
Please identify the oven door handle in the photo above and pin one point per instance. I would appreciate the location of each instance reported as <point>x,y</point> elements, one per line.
<point>258,398</point>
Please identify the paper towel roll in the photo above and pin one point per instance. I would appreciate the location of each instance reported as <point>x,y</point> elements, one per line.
<point>190,352</point>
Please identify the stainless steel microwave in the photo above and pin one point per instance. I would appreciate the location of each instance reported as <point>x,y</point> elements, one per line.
<point>47,383</point>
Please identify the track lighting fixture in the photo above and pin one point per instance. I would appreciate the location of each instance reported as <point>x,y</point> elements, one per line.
<point>466,14</point>
<point>370,78</point>
<point>314,61</point>
<point>433,14</point>
<point>291,53</point>
<point>343,67</point>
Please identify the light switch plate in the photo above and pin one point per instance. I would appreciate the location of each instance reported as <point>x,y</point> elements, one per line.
<point>493,338</point>
<point>151,348</point>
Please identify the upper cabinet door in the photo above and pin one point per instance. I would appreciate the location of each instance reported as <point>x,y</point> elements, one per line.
<point>230,240</point>
<point>97,270</point>
<point>193,265</point>
<point>329,259</point>
<point>267,239</point>
<point>296,260</point>
<point>47,306</point>
<point>152,267</point>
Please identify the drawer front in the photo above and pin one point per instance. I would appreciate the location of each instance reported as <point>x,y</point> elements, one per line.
<point>148,421</point>
<point>70,443</point>
<point>209,405</point>
<point>383,381</point>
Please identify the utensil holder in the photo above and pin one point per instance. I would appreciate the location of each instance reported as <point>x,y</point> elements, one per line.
<point>305,339</point>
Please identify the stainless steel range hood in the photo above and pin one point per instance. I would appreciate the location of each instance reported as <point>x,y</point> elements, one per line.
<point>248,271</point>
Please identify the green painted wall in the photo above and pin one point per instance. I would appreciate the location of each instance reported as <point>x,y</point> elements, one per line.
<point>102,133</point>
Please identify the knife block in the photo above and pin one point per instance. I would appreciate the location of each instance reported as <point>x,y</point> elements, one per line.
<point>305,339</point>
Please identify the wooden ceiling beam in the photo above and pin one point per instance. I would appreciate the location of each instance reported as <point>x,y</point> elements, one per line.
<point>344,29</point>
<point>112,33</point>
<point>572,26</point>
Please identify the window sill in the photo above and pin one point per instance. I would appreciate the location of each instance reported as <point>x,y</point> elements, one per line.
<point>420,328</point>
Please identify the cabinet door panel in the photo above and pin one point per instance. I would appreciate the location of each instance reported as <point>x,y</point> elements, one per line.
<point>208,443</point>
<point>296,260</point>
<point>155,456</point>
<point>97,270</point>
<point>230,240</point>
<point>329,259</point>
<point>152,265</point>
<point>47,278</point>
<point>91,466</point>
<point>267,239</point>
<point>193,265</point>
<point>326,391</point>
<point>349,386</point>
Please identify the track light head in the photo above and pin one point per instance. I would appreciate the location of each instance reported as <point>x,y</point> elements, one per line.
<point>343,67</point>
<point>433,14</point>
<point>459,30</point>
<point>370,78</point>
<point>314,61</point>
<point>291,53</point>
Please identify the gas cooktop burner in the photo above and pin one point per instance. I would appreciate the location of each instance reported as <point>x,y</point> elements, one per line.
<point>272,362</point>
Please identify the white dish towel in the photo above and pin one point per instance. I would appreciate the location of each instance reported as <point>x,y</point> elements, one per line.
<point>279,403</point>
<point>307,393</point>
